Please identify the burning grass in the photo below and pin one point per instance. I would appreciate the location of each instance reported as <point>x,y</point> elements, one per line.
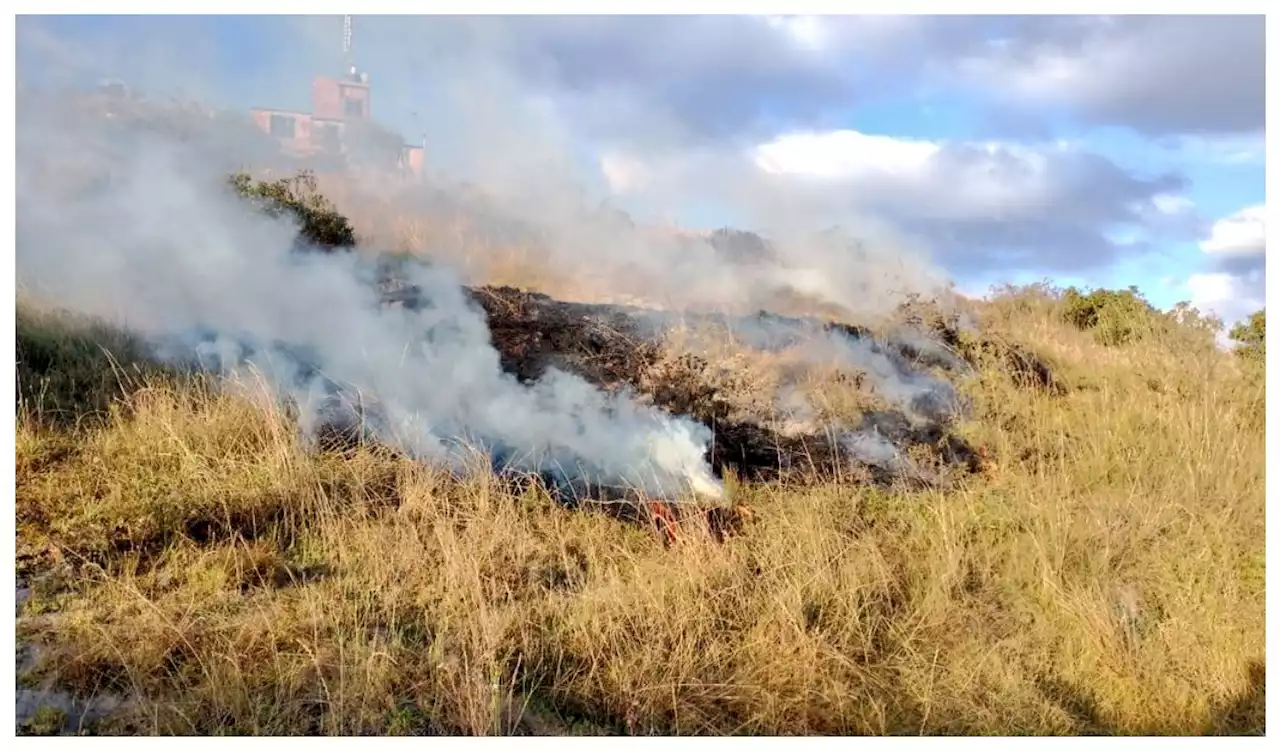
<point>191,556</point>
<point>1050,522</point>
<point>783,396</point>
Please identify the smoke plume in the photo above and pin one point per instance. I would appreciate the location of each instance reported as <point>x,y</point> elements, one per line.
<point>169,252</point>
<point>123,212</point>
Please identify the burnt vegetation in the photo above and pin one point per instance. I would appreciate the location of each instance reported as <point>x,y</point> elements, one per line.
<point>616,347</point>
<point>180,549</point>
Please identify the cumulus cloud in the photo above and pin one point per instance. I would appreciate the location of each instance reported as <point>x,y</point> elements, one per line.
<point>1230,297</point>
<point>982,204</point>
<point>711,77</point>
<point>1235,283</point>
<point>1172,205</point>
<point>845,154</point>
<point>974,207</point>
<point>1244,233</point>
<point>740,76</point>
<point>1157,74</point>
<point>748,77</point>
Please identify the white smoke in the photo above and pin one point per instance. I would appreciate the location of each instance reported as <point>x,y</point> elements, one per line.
<point>160,247</point>
<point>921,395</point>
<point>870,447</point>
<point>167,250</point>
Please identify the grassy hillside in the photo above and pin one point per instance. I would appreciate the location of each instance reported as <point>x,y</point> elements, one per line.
<point>189,556</point>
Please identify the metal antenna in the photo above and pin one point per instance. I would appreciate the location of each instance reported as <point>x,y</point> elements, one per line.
<point>346,42</point>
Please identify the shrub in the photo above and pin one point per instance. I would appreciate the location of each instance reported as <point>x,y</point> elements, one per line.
<point>742,247</point>
<point>1250,336</point>
<point>1114,317</point>
<point>320,224</point>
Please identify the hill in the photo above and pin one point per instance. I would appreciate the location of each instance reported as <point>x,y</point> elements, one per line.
<point>1037,514</point>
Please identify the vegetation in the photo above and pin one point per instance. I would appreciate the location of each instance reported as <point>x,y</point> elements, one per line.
<point>1251,337</point>
<point>45,721</point>
<point>71,369</point>
<point>320,223</point>
<point>1103,574</point>
<point>742,247</point>
<point>1113,316</point>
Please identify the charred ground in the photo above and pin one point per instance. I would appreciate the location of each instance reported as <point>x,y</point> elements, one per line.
<point>193,560</point>
<point>618,347</point>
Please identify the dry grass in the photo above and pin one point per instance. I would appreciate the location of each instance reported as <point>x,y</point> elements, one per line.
<point>789,389</point>
<point>1105,575</point>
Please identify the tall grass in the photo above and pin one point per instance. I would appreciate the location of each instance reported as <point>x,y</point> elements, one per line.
<point>187,552</point>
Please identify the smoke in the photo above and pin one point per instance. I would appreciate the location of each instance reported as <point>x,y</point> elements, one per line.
<point>870,447</point>
<point>918,394</point>
<point>901,382</point>
<point>158,245</point>
<point>170,253</point>
<point>512,112</point>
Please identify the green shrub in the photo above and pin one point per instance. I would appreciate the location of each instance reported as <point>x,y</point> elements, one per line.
<point>319,222</point>
<point>1114,317</point>
<point>1250,336</point>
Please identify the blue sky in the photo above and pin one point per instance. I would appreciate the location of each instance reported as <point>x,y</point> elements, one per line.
<point>1087,150</point>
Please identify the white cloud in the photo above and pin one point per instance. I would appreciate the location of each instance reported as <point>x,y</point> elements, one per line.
<point>1230,296</point>
<point>1235,284</point>
<point>1208,288</point>
<point>677,98</point>
<point>977,206</point>
<point>844,154</point>
<point>954,181</point>
<point>1133,71</point>
<point>1244,232</point>
<point>807,31</point>
<point>1052,205</point>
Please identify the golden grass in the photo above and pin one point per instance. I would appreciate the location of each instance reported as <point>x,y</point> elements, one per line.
<point>1104,576</point>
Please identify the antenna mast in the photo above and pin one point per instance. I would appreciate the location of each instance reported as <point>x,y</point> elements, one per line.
<point>346,44</point>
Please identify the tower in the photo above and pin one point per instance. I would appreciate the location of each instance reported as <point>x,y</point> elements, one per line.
<point>346,45</point>
<point>345,97</point>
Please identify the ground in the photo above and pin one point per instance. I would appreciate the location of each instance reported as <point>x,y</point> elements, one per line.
<point>1092,561</point>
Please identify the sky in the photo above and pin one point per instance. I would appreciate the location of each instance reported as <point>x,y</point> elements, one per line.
<point>1098,151</point>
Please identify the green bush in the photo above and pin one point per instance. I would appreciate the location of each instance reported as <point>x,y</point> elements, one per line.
<point>1114,317</point>
<point>1250,336</point>
<point>319,222</point>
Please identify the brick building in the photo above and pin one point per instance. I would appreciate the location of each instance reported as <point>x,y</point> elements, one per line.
<point>340,114</point>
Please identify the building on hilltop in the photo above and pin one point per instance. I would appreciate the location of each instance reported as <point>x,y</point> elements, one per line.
<point>339,129</point>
